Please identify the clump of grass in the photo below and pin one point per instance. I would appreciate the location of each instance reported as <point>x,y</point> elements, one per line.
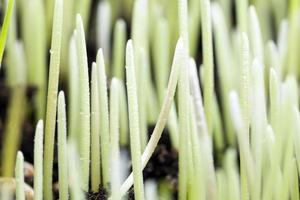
<point>233,141</point>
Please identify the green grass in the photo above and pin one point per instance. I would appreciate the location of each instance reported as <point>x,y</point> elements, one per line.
<point>5,27</point>
<point>228,101</point>
<point>52,98</point>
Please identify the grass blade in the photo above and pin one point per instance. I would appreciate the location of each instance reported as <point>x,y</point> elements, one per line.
<point>19,173</point>
<point>124,116</point>
<point>104,30</point>
<point>242,6</point>
<point>243,140</point>
<point>255,37</point>
<point>84,104</point>
<point>104,119</point>
<point>114,139</point>
<point>73,115</point>
<point>62,147</point>
<point>38,161</point>
<point>207,49</point>
<point>52,98</point>
<point>119,49</point>
<point>5,27</point>
<point>95,132</point>
<point>135,141</point>
<point>75,180</point>
<point>224,69</point>
<point>161,57</point>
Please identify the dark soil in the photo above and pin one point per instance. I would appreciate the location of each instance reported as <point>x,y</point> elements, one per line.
<point>101,195</point>
<point>164,162</point>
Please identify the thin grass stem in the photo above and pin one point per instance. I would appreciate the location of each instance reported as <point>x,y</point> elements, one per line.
<point>62,147</point>
<point>38,160</point>
<point>52,98</point>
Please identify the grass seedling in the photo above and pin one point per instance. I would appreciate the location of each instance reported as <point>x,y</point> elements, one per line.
<point>161,57</point>
<point>69,15</point>
<point>258,122</point>
<point>74,173</point>
<point>5,192</point>
<point>5,27</point>
<point>274,100</point>
<point>202,129</point>
<point>142,100</point>
<point>123,115</point>
<point>194,26</point>
<point>242,15</point>
<point>104,119</point>
<point>62,147</point>
<point>198,183</point>
<point>232,175</point>
<point>245,102</point>
<point>84,104</point>
<point>95,131</point>
<point>183,92</point>
<point>245,82</point>
<point>255,35</point>
<point>173,126</point>
<point>224,60</point>
<point>140,36</point>
<point>38,161</point>
<point>119,49</point>
<point>293,32</point>
<point>135,141</point>
<point>151,190</point>
<point>19,174</point>
<point>183,102</point>
<point>104,30</point>
<point>297,135</point>
<point>208,62</point>
<point>243,140</point>
<point>52,98</point>
<point>73,90</point>
<point>218,130</point>
<point>114,139</point>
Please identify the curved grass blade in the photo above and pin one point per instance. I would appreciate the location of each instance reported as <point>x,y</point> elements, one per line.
<point>163,116</point>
